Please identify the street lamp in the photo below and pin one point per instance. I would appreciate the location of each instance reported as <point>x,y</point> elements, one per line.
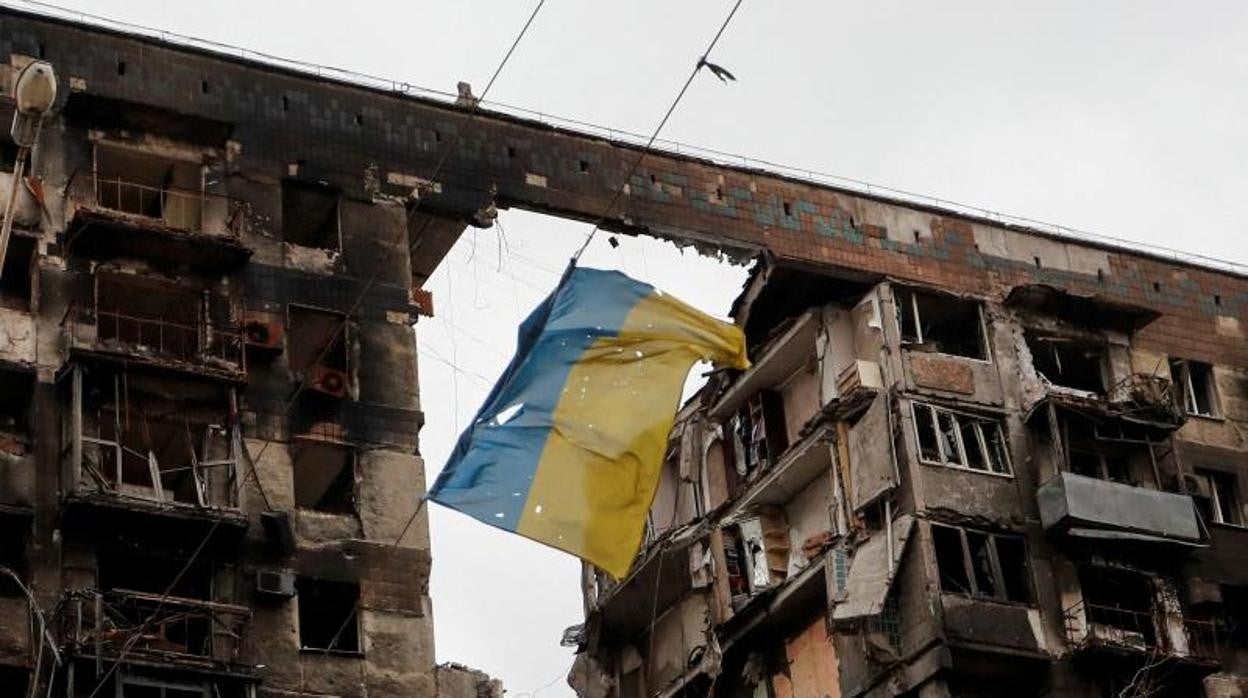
<point>34,92</point>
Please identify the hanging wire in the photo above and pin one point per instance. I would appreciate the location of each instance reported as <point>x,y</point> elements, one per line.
<point>702,62</point>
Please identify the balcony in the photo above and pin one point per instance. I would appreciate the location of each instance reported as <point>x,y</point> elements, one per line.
<point>1088,508</point>
<point>166,631</point>
<point>188,347</point>
<point>1102,627</point>
<point>176,226</point>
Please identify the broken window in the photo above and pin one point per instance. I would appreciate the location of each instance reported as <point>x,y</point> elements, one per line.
<point>15,280</point>
<point>328,615</point>
<point>960,440</point>
<point>1067,362</point>
<point>316,344</point>
<point>139,184</point>
<point>1106,453</point>
<point>145,437</point>
<point>324,477</point>
<point>1119,600</point>
<point>17,389</point>
<point>1217,497</point>
<point>761,434</point>
<point>310,214</point>
<point>982,564</point>
<point>1196,387</point>
<point>941,324</point>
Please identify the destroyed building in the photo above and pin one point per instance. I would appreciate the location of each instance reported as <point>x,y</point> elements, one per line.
<point>974,455</point>
<point>966,461</point>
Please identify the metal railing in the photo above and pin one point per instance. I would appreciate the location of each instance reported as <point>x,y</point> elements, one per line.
<point>182,210</point>
<point>105,624</point>
<point>199,343</point>
<point>1101,624</point>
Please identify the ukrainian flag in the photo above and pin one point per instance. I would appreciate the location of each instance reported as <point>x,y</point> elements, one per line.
<point>568,446</point>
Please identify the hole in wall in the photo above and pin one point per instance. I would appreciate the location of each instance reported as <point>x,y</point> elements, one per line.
<point>584,166</point>
<point>1037,261</point>
<point>43,51</point>
<point>437,136</point>
<point>1217,300</point>
<point>1157,287</point>
<point>788,209</point>
<point>918,236</point>
<point>121,67</point>
<point>285,103</point>
<point>359,119</point>
<point>511,151</point>
<point>203,87</point>
<point>1100,275</point>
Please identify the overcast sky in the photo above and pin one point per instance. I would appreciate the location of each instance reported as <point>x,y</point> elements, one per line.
<point>1123,117</point>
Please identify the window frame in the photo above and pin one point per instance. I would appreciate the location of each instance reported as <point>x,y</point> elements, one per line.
<point>1216,495</point>
<point>911,294</point>
<point>994,560</point>
<point>982,440</point>
<point>1187,388</point>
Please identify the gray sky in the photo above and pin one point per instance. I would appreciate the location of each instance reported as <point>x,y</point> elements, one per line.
<point>1122,117</point>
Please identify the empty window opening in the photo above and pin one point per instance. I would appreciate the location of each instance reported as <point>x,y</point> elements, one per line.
<point>1157,287</point>
<point>1217,300</point>
<point>328,615</point>
<point>941,324</point>
<point>316,346</point>
<point>148,314</point>
<point>960,440</point>
<point>1120,600</point>
<point>1038,263</point>
<point>147,438</point>
<point>584,165</point>
<point>13,556</point>
<point>43,50</point>
<point>437,136</point>
<point>203,86</point>
<point>15,282</point>
<point>121,67</point>
<point>511,151</point>
<point>1217,497</point>
<point>1196,387</point>
<point>1069,363</point>
<point>719,194</point>
<point>359,119</point>
<point>981,564</point>
<point>324,477</point>
<point>285,103</point>
<point>1105,453</point>
<point>310,215</point>
<point>788,209</point>
<point>166,190</point>
<point>654,180</point>
<point>8,154</point>
<point>18,389</point>
<point>132,586</point>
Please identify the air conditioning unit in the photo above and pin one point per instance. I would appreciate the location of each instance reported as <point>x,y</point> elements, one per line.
<point>275,584</point>
<point>264,332</point>
<point>329,381</point>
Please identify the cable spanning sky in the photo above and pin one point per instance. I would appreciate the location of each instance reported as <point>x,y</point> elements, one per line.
<point>1121,117</point>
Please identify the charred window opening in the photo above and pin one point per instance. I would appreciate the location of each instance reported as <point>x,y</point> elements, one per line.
<point>328,615</point>
<point>941,324</point>
<point>1121,600</point>
<point>324,477</point>
<point>310,214</point>
<point>1067,362</point>
<point>1101,451</point>
<point>960,440</point>
<point>133,585</point>
<point>8,154</point>
<point>981,564</point>
<point>18,389</point>
<point>135,687</point>
<point>121,570</point>
<point>316,344</point>
<point>1196,387</point>
<point>13,556</point>
<point>147,438</point>
<point>1217,497</point>
<point>148,314</point>
<point>166,190</point>
<point>15,280</point>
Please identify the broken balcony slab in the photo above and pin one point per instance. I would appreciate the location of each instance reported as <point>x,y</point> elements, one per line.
<point>778,361</point>
<point>100,232</point>
<point>797,468</point>
<point>871,572</point>
<point>1089,508</point>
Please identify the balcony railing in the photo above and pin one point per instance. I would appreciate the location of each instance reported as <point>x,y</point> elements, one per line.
<point>106,624</point>
<point>198,344</point>
<point>179,209</point>
<point>1101,624</point>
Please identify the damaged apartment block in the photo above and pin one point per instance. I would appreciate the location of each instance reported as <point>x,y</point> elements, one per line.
<point>920,490</point>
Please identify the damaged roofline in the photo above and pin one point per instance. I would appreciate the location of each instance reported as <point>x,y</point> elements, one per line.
<point>502,112</point>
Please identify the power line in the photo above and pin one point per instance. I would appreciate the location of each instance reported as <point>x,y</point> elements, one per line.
<point>663,122</point>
